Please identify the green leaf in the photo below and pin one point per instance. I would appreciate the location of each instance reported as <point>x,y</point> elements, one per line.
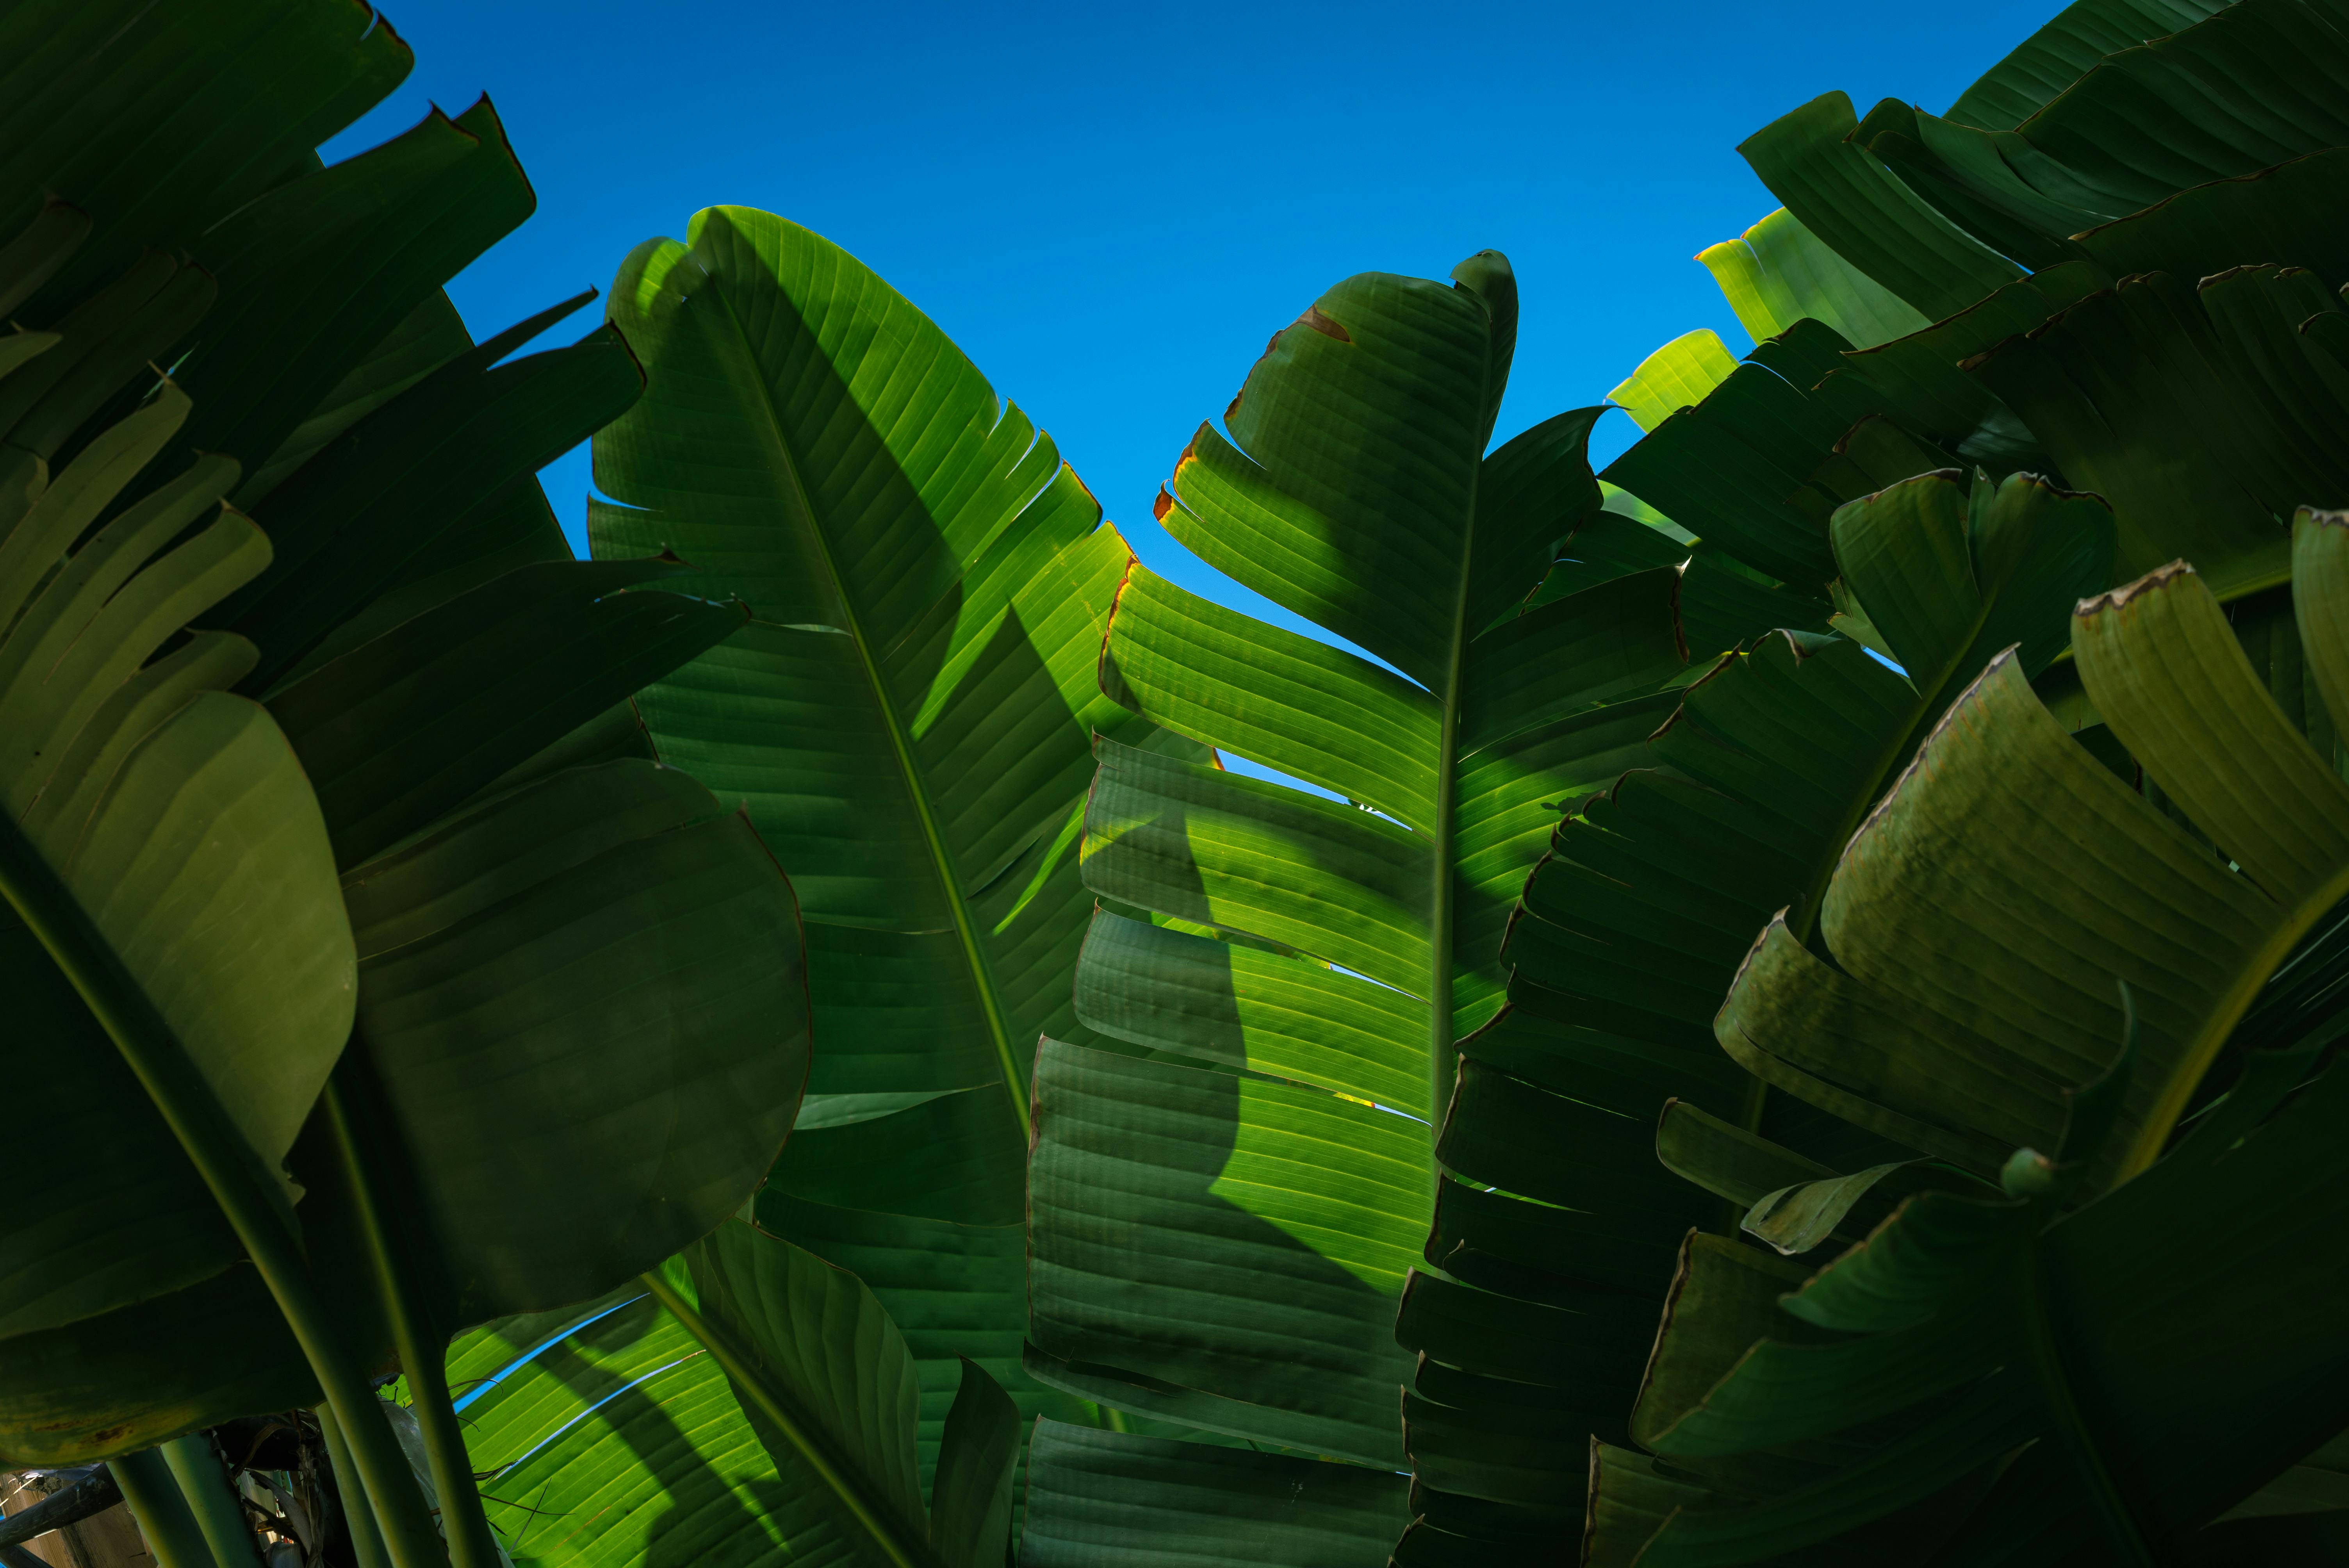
<point>556,985</point>
<point>276,344</point>
<point>758,1400</point>
<point>1727,1159</point>
<point>825,1381</point>
<point>1778,273</point>
<point>909,716</point>
<point>390,225</point>
<point>1675,376</point>
<point>2065,49</point>
<point>239,93</point>
<point>609,1436</point>
<point>1259,1234</point>
<point>2122,1335</point>
<point>1285,1217</point>
<point>1727,466</point>
<point>1272,1157</point>
<point>1630,1497</point>
<point>1958,1050</point>
<point>1108,1497</point>
<point>970,1505</point>
<point>953,1290</point>
<point>1864,214</point>
<point>1959,171</point>
<point>427,339</point>
<point>1919,374</point>
<point>1630,932</point>
<point>2210,467</point>
<point>418,485</point>
<point>178,818</point>
<point>2275,216</point>
<point>2237,92</point>
<point>408,724</point>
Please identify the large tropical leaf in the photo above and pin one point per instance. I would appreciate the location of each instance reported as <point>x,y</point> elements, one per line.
<point>2248,422</point>
<point>679,922</point>
<point>1778,273</point>
<point>769,1406</point>
<point>1221,1230</point>
<point>2124,1334</point>
<point>2253,86</point>
<point>1966,1053</point>
<point>908,718</point>
<point>1632,926</point>
<point>2065,49</point>
<point>582,996</point>
<point>1675,376</point>
<point>1899,200</point>
<point>1669,875</point>
<point>161,830</point>
<point>1097,1497</point>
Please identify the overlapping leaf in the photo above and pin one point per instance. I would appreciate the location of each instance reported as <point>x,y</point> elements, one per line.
<point>774,1412</point>
<point>1220,1235</point>
<point>132,1338</point>
<point>176,819</point>
<point>1632,926</point>
<point>908,717</point>
<point>2113,1336</point>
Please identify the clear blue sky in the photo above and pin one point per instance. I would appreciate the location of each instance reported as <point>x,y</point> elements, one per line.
<point>1111,206</point>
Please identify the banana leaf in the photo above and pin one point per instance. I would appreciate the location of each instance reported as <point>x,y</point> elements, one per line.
<point>160,830</point>
<point>758,1401</point>
<point>2219,748</point>
<point>2122,1337</point>
<point>1675,376</point>
<point>2246,423</point>
<point>1223,1223</point>
<point>1811,159</point>
<point>2065,49</point>
<point>908,718</point>
<point>1778,273</point>
<point>1632,926</point>
<point>1109,1497</point>
<point>2246,88</point>
<point>114,1339</point>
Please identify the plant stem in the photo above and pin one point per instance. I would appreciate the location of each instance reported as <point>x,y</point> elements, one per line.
<point>204,1485</point>
<point>229,1168</point>
<point>747,1381</point>
<point>422,1353</point>
<point>2068,1424</point>
<point>164,1522</point>
<point>358,1515</point>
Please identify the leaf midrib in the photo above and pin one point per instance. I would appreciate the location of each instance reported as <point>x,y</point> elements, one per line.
<point>874,1516</point>
<point>917,789</point>
<point>1442,1055</point>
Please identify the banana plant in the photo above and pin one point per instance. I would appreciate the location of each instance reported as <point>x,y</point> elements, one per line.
<point>553,953</point>
<point>1766,768</point>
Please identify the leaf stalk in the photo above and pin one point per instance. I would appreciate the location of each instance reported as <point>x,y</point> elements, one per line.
<point>748,1382</point>
<point>2068,1424</point>
<point>228,1167</point>
<point>421,1350</point>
